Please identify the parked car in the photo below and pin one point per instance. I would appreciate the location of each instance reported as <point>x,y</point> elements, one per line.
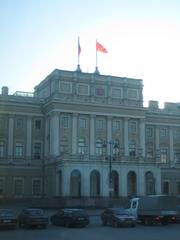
<point>8,218</point>
<point>33,217</point>
<point>118,217</point>
<point>178,214</point>
<point>69,217</point>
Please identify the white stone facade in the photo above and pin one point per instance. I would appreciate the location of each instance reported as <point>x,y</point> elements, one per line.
<point>88,135</point>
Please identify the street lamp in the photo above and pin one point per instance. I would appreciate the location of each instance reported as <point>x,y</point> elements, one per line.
<point>113,145</point>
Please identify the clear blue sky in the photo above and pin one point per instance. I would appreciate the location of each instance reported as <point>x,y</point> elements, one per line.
<point>142,38</point>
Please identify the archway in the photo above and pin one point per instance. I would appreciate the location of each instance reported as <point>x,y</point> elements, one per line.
<point>132,184</point>
<point>95,184</point>
<point>75,183</point>
<point>150,183</point>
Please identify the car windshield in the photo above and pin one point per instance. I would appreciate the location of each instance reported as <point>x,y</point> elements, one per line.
<point>6,212</point>
<point>121,212</point>
<point>35,212</point>
<point>77,212</point>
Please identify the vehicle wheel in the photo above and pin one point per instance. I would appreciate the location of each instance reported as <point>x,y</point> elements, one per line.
<point>67,224</point>
<point>104,223</point>
<point>148,221</point>
<point>44,226</point>
<point>21,225</point>
<point>115,224</point>
<point>164,222</point>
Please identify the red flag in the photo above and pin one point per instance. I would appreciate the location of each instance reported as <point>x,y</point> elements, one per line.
<point>100,48</point>
<point>79,47</point>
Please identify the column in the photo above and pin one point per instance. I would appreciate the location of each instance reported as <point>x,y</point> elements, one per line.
<point>57,184</point>
<point>157,156</point>
<point>66,182</point>
<point>158,181</point>
<point>74,133</point>
<point>46,135</point>
<point>105,182</point>
<point>171,150</point>
<point>123,182</point>
<point>140,182</point>
<point>54,134</point>
<point>126,144</point>
<point>142,136</point>
<point>92,135</point>
<point>157,137</point>
<point>109,135</point>
<point>10,136</point>
<point>29,138</point>
<point>85,183</point>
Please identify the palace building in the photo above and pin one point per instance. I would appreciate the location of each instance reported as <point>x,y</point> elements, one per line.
<point>87,135</point>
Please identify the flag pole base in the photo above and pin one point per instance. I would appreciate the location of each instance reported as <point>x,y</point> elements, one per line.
<point>78,69</point>
<point>96,70</point>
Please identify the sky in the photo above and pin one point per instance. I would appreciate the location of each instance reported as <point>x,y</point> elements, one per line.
<point>142,38</point>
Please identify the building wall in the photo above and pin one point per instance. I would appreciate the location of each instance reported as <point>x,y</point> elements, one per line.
<point>60,140</point>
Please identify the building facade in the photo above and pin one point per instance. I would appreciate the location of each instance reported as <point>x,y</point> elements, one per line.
<point>87,135</point>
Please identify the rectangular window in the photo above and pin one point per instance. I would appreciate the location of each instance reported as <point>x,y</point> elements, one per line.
<point>149,131</point>
<point>37,124</point>
<point>83,89</point>
<point>64,122</point>
<point>177,156</point>
<point>116,125</point>
<point>19,150</point>
<point>100,123</point>
<point>132,127</point>
<point>132,94</point>
<point>64,145</point>
<point>36,187</point>
<point>82,123</point>
<point>100,92</point>
<point>2,187</point>
<point>65,87</point>
<point>163,132</point>
<point>163,155</point>
<point>37,150</point>
<point>2,149</point>
<point>178,188</point>
<point>19,123</point>
<point>176,132</point>
<point>132,148</point>
<point>18,187</point>
<point>150,153</point>
<point>2,123</point>
<point>165,189</point>
<point>116,92</point>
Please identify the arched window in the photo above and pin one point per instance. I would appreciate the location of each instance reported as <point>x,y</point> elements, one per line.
<point>75,184</point>
<point>131,180</point>
<point>95,184</point>
<point>115,184</point>
<point>150,183</point>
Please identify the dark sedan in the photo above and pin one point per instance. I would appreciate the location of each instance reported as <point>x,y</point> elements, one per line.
<point>70,218</point>
<point>33,217</point>
<point>8,218</point>
<point>118,217</point>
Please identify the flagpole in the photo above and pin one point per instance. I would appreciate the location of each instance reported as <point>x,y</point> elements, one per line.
<point>96,53</point>
<point>79,51</point>
<point>96,68</point>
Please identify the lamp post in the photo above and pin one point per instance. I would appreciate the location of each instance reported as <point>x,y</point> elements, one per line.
<point>113,145</point>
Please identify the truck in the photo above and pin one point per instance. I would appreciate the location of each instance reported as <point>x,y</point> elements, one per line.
<point>154,209</point>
